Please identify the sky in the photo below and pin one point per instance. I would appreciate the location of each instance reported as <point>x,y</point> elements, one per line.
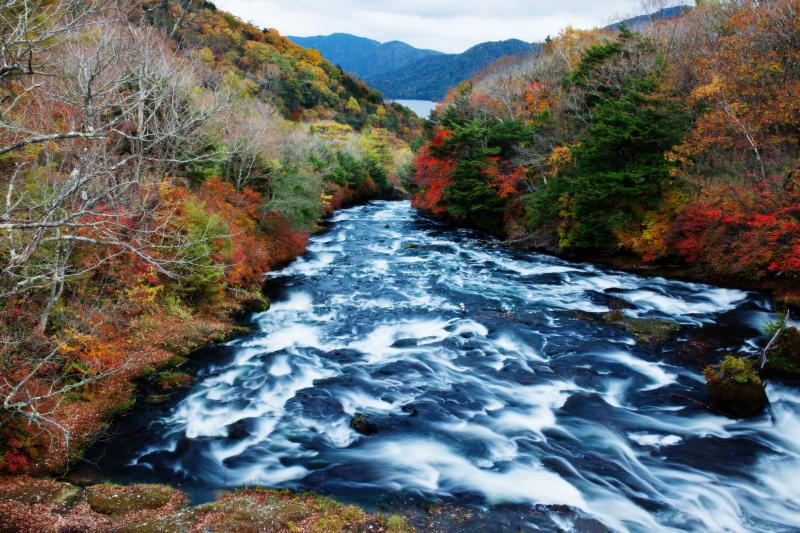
<point>444,25</point>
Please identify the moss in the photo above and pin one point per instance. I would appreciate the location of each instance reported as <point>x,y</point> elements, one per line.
<point>737,369</point>
<point>115,500</point>
<point>646,330</point>
<point>241,330</point>
<point>154,525</point>
<point>255,303</point>
<point>395,524</point>
<point>173,362</point>
<point>122,407</point>
<point>170,381</point>
<point>735,387</point>
<point>246,513</point>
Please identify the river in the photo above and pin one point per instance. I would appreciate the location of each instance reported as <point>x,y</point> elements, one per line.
<point>490,386</point>
<point>422,108</point>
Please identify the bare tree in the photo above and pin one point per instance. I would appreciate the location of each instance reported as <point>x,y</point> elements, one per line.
<point>106,113</point>
<point>251,131</point>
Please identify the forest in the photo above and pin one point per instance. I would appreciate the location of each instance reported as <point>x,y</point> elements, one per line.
<point>676,145</point>
<point>156,159</point>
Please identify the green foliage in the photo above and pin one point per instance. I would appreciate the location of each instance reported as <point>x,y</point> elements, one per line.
<point>207,241</point>
<point>618,172</point>
<point>348,170</point>
<point>774,326</point>
<point>297,197</point>
<point>737,369</point>
<point>378,173</point>
<point>474,145</point>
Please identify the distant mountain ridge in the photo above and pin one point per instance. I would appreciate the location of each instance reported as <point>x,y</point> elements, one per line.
<point>402,71</point>
<point>362,56</point>
<point>636,23</point>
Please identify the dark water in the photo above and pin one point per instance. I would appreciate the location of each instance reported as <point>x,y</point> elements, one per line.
<point>516,400</point>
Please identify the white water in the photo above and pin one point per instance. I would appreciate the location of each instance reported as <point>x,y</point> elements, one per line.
<point>515,401</point>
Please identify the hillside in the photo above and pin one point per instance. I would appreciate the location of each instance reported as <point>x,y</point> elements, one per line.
<point>299,82</point>
<point>362,56</point>
<point>157,161</point>
<point>675,145</point>
<point>402,71</point>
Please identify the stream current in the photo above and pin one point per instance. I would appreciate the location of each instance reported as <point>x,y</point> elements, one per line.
<point>492,383</point>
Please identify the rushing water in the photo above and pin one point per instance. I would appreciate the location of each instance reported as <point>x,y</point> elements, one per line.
<point>515,399</point>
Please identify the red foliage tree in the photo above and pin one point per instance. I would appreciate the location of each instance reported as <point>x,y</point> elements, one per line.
<point>432,175</point>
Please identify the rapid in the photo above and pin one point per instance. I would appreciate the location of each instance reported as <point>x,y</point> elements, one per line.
<point>492,383</point>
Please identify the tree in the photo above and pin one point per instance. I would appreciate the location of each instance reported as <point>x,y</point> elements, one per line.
<point>619,169</point>
<point>89,143</point>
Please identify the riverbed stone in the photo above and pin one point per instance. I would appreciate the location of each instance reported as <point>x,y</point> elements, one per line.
<point>363,425</point>
<point>646,330</point>
<point>118,500</point>
<point>735,388</point>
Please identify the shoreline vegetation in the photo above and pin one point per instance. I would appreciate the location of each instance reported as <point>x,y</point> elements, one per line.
<point>157,158</point>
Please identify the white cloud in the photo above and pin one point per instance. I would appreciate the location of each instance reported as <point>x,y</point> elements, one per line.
<point>446,25</point>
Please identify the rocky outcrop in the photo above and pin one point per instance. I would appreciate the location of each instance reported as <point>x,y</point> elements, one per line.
<point>735,388</point>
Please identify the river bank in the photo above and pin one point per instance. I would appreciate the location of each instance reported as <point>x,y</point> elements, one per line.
<point>30,505</point>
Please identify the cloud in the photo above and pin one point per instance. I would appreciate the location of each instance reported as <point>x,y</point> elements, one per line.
<point>446,25</point>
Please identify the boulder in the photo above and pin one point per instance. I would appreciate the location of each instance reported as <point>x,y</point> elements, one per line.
<point>363,425</point>
<point>645,330</point>
<point>735,388</point>
<point>256,304</point>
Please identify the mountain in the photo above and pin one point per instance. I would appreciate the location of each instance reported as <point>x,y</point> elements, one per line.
<point>402,71</point>
<point>636,23</point>
<point>363,56</point>
<point>432,77</point>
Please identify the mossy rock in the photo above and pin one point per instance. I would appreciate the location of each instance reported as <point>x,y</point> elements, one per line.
<point>241,330</point>
<point>784,355</point>
<point>646,330</point>
<point>735,388</point>
<point>171,381</point>
<point>256,304</point>
<point>243,513</point>
<point>115,500</point>
<point>173,362</point>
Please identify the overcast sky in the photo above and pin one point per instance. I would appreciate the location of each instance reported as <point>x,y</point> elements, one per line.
<point>446,25</point>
